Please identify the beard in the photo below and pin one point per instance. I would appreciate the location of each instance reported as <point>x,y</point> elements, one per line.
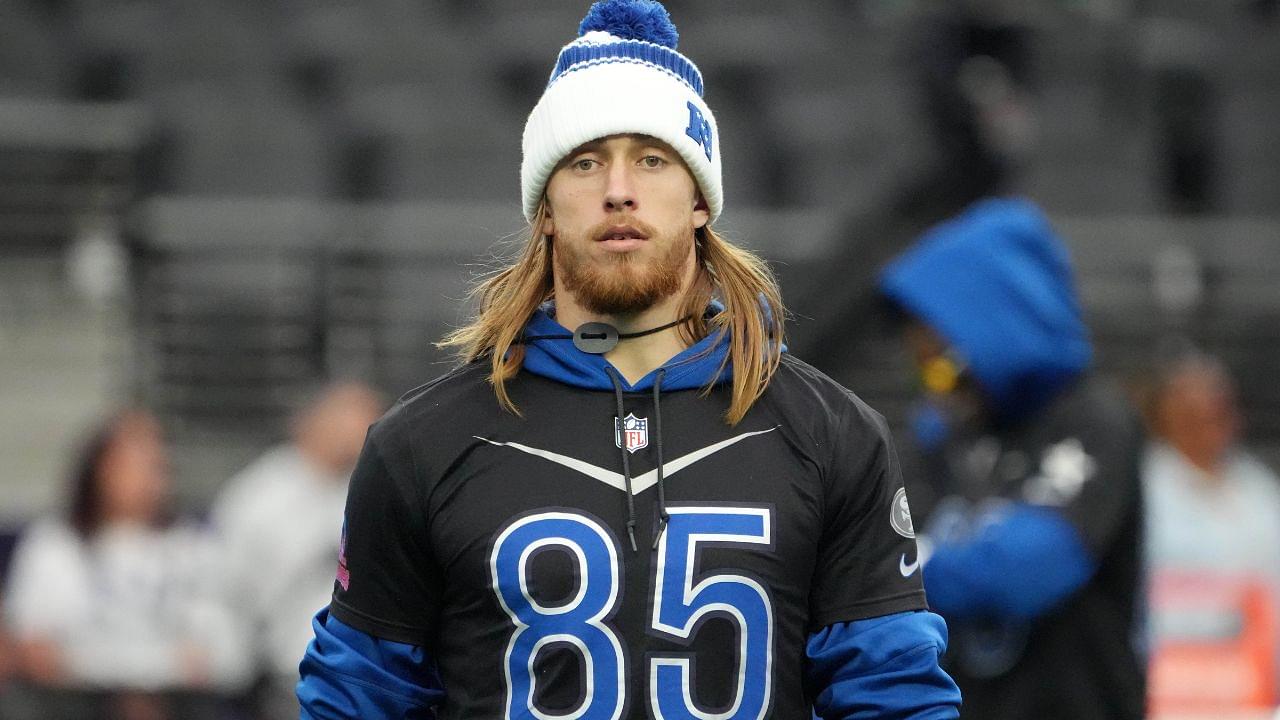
<point>622,283</point>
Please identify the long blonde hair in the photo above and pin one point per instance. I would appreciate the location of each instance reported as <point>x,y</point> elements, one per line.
<point>740,279</point>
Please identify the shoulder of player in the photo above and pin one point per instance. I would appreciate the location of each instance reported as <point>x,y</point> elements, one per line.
<point>427,422</point>
<point>804,387</point>
<point>1095,416</point>
<point>828,413</point>
<point>457,391</point>
<point>461,379</point>
<point>1096,406</point>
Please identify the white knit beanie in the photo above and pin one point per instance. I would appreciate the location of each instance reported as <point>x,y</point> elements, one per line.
<point>622,75</point>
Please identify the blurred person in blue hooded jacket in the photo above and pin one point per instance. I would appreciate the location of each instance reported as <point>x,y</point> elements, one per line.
<point>1031,548</point>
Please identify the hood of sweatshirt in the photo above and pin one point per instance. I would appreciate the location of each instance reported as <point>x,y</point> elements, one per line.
<point>996,283</point>
<point>559,359</point>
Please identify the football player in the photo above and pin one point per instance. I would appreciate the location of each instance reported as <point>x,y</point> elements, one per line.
<point>1036,537</point>
<point>628,501</point>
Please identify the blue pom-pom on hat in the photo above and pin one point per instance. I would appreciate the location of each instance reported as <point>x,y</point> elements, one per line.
<point>632,20</point>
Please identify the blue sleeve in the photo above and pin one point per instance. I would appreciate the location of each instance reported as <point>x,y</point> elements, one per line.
<point>1021,564</point>
<point>347,674</point>
<point>884,668</point>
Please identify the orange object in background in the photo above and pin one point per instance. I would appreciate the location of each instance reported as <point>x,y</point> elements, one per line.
<point>1215,640</point>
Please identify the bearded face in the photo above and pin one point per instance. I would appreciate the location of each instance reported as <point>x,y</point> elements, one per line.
<point>622,212</point>
<point>623,283</point>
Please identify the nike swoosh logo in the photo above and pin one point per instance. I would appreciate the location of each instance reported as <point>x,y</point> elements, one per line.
<point>640,483</point>
<point>905,569</point>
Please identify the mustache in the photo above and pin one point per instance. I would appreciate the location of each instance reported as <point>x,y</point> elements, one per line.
<point>603,229</point>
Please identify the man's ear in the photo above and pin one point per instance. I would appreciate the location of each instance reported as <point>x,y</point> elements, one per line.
<point>548,223</point>
<point>701,213</point>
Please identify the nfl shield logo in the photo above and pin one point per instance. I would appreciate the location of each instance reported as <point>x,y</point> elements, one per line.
<point>634,430</point>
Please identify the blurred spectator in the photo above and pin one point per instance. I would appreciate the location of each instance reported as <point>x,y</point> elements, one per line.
<point>1213,525</point>
<point>1212,506</point>
<point>281,519</point>
<point>111,607</point>
<point>1035,542</point>
<point>6,655</point>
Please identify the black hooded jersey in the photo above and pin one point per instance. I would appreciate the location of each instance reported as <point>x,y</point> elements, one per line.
<point>499,543</point>
<point>1080,456</point>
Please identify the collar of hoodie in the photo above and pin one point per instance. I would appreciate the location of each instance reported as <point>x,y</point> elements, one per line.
<point>697,366</point>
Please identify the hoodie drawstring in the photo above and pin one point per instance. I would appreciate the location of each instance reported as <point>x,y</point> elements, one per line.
<point>626,460</point>
<point>663,517</point>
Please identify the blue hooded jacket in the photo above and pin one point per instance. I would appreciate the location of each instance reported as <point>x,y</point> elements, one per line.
<point>884,667</point>
<point>996,284</point>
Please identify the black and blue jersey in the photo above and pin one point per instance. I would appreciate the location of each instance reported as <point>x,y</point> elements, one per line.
<point>619,551</point>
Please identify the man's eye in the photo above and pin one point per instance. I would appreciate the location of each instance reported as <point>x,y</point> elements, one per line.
<point>584,164</point>
<point>653,161</point>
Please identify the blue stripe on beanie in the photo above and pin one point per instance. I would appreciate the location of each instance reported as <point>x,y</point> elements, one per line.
<point>575,57</point>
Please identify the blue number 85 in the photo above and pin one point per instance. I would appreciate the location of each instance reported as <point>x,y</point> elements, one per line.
<point>678,606</point>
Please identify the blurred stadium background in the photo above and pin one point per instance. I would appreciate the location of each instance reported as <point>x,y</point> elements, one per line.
<point>208,207</point>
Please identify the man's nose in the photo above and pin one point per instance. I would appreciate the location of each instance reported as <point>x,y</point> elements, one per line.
<point>620,193</point>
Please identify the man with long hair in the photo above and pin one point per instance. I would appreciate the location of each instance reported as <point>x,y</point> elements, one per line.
<point>627,501</point>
